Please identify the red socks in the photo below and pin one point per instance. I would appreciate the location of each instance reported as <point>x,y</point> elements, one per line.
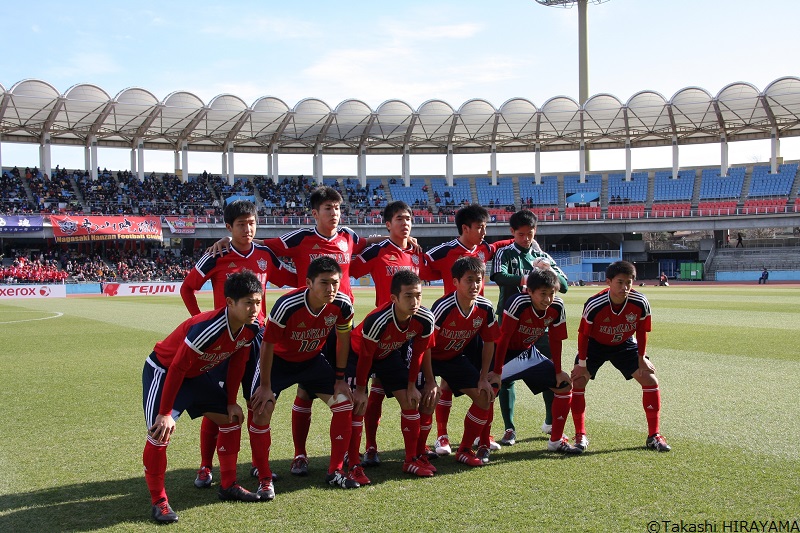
<point>409,425</point>
<point>208,441</point>
<point>260,443</point>
<point>340,433</point>
<point>154,459</point>
<point>560,411</point>
<point>372,416</point>
<point>356,428</point>
<point>474,423</point>
<point>301,423</point>
<point>443,411</point>
<point>228,444</point>
<point>425,424</point>
<point>651,401</point>
<point>578,410</point>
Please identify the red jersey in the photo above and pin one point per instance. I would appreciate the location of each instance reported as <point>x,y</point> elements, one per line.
<point>440,258</point>
<point>454,329</point>
<point>378,335</point>
<point>606,326</point>
<point>260,260</point>
<point>199,344</point>
<point>381,261</point>
<point>523,325</point>
<point>299,334</point>
<point>306,244</point>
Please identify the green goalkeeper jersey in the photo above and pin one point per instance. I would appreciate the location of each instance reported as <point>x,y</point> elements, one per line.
<point>512,264</point>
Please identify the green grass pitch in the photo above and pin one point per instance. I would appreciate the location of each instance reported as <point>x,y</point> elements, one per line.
<point>727,359</point>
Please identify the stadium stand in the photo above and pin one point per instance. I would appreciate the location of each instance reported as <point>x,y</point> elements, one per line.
<point>666,189</point>
<point>714,186</point>
<point>501,194</point>
<point>414,195</point>
<point>458,194</point>
<point>544,194</point>
<point>765,184</point>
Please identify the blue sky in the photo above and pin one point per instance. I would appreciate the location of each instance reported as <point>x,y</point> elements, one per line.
<point>411,50</point>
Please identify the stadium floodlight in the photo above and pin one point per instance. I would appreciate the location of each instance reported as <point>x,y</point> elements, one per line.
<point>583,48</point>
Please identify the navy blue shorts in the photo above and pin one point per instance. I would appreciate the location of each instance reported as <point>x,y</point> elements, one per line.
<point>530,366</point>
<point>624,357</point>
<point>459,372</point>
<point>315,375</point>
<point>203,394</point>
<point>220,372</point>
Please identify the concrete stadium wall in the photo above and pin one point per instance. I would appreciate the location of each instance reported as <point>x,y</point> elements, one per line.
<point>753,275</point>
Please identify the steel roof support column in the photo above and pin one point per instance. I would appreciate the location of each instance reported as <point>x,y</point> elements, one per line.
<point>274,161</point>
<point>406,166</point>
<point>493,163</point>
<point>1,151</point>
<point>269,165</point>
<point>538,168</point>
<point>449,165</point>
<point>582,161</point>
<point>140,159</point>
<point>362,165</point>
<point>176,161</point>
<point>723,146</point>
<point>775,145</point>
<point>87,158</point>
<point>318,165</point>
<point>93,157</point>
<point>224,163</point>
<point>674,157</point>
<point>184,162</point>
<point>45,155</point>
<point>231,155</point>
<point>133,156</point>
<point>627,160</point>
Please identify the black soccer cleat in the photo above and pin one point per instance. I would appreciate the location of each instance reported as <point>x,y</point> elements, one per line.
<point>658,443</point>
<point>340,479</point>
<point>163,513</point>
<point>238,493</point>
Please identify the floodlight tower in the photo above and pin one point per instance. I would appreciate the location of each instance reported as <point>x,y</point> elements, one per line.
<point>583,48</point>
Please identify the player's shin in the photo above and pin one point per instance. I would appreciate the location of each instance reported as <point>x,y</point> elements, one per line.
<point>578,411</point>
<point>301,423</point>
<point>154,459</point>
<point>228,444</point>
<point>651,401</point>
<point>425,425</point>
<point>561,405</point>
<point>372,417</point>
<point>340,432</point>
<point>409,425</point>
<point>356,429</point>
<point>443,411</point>
<point>260,444</point>
<point>208,441</point>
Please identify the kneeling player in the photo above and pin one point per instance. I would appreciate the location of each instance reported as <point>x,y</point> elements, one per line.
<point>394,342</point>
<point>176,379</point>
<point>292,353</point>
<point>529,316</point>
<point>460,316</point>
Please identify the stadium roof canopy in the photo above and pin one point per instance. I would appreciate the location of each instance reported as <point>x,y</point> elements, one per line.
<point>32,108</point>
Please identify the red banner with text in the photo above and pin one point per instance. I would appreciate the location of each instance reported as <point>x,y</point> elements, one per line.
<point>105,228</point>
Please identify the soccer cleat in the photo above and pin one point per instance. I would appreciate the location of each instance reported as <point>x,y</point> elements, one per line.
<point>563,446</point>
<point>417,468</point>
<point>483,454</point>
<point>581,441</point>
<point>163,513</point>
<point>443,445</point>
<point>299,466</point>
<point>658,443</point>
<point>468,457</point>
<point>371,457</point>
<point>357,474</point>
<point>425,461</point>
<point>237,493</point>
<point>340,479</point>
<point>432,455</point>
<point>254,473</point>
<point>509,438</point>
<point>266,490</point>
<point>493,446</point>
<point>547,429</point>
<point>203,479</point>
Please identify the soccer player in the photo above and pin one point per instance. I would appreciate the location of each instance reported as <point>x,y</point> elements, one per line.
<point>528,316</point>
<point>510,268</point>
<point>460,317</point>
<point>241,218</point>
<point>471,223</point>
<point>381,261</point>
<point>614,328</point>
<point>394,342</point>
<point>292,353</point>
<point>176,378</point>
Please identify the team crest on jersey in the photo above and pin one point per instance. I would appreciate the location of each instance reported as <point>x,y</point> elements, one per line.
<point>547,322</point>
<point>330,320</point>
<point>239,344</point>
<point>630,317</point>
<point>477,322</point>
<point>410,335</point>
<point>415,259</point>
<point>482,256</point>
<point>342,245</point>
<point>262,264</point>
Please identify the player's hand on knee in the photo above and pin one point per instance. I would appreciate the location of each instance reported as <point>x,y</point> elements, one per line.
<point>235,414</point>
<point>162,429</point>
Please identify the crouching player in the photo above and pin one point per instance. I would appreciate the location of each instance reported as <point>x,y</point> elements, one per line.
<point>529,316</point>
<point>176,378</point>
<point>460,317</point>
<point>394,342</point>
<point>292,353</point>
<point>614,328</point>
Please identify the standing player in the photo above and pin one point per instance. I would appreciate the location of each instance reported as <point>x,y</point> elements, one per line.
<point>509,270</point>
<point>240,220</point>
<point>292,353</point>
<point>614,328</point>
<point>471,224</point>
<point>529,316</point>
<point>461,316</point>
<point>176,378</point>
<point>394,342</point>
<point>381,261</point>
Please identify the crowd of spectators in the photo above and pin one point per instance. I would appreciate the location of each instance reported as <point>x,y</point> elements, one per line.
<point>162,265</point>
<point>32,268</point>
<point>285,198</point>
<point>13,199</point>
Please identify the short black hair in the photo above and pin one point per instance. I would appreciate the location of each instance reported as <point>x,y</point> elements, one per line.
<point>321,265</point>
<point>239,208</point>
<point>393,208</point>
<point>323,194</point>
<point>620,267</point>
<point>242,284</point>
<point>469,214</point>
<point>467,264</point>
<point>540,277</point>
<point>523,217</point>
<point>402,278</point>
